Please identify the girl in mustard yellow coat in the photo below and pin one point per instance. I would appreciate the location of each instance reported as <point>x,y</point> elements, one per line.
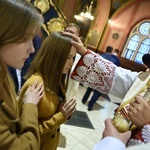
<point>51,66</point>
<point>18,24</point>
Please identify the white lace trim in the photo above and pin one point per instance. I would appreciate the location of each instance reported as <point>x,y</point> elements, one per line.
<point>88,60</point>
<point>132,142</point>
<point>96,72</point>
<point>146,133</point>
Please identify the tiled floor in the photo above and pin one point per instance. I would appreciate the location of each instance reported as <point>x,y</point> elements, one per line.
<point>79,138</point>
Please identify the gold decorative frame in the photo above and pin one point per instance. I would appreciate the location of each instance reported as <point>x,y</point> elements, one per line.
<point>55,24</point>
<point>59,12</point>
<point>45,29</point>
<point>43,5</point>
<point>51,2</point>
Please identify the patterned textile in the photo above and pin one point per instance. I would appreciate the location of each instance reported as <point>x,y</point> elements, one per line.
<point>95,72</point>
<point>141,136</point>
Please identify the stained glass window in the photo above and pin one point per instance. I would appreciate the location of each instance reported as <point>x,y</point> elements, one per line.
<point>144,49</point>
<point>138,43</point>
<point>144,28</point>
<point>132,46</point>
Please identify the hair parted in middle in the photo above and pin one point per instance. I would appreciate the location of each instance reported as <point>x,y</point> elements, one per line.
<point>50,61</point>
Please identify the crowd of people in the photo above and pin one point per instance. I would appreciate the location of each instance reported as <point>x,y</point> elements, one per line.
<point>31,120</point>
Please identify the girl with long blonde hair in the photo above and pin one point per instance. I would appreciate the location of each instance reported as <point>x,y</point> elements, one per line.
<point>19,22</point>
<point>52,66</point>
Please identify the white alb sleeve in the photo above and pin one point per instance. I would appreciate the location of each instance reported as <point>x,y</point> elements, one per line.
<point>109,143</point>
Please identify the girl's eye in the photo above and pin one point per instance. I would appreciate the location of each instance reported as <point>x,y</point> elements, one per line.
<point>24,40</point>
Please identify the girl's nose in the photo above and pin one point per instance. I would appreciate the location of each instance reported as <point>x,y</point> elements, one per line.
<point>31,47</point>
<point>71,61</point>
<point>32,50</point>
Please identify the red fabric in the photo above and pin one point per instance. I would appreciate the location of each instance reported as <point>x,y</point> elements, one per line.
<point>95,72</point>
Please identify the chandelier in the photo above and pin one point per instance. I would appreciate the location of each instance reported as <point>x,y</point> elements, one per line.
<point>87,13</point>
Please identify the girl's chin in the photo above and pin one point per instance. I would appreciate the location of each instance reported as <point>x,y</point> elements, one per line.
<point>20,67</point>
<point>65,72</point>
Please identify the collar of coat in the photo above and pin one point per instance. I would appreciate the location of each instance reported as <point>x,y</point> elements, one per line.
<point>7,105</point>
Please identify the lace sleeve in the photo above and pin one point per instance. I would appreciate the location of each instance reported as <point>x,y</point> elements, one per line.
<point>143,136</point>
<point>95,71</point>
<point>146,133</point>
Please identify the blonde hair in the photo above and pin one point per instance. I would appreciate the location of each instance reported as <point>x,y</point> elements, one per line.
<point>50,61</point>
<point>18,19</point>
<point>74,25</point>
<point>19,22</point>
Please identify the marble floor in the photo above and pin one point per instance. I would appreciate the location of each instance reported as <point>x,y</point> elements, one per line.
<point>79,138</point>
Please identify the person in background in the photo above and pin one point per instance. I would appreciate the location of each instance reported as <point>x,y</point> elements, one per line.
<point>96,94</point>
<point>73,85</point>
<point>93,99</point>
<point>73,28</point>
<point>19,23</point>
<point>52,66</point>
<point>116,52</point>
<point>115,55</point>
<point>108,54</point>
<point>146,61</point>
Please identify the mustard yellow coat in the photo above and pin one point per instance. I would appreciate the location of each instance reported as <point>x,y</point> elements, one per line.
<point>17,131</point>
<point>50,118</point>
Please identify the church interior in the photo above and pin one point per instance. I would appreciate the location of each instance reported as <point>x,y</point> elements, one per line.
<point>122,24</point>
